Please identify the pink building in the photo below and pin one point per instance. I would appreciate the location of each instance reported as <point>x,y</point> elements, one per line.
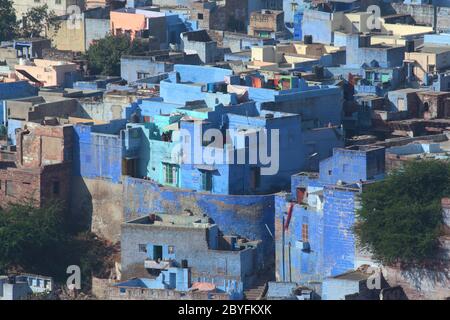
<point>46,73</point>
<point>136,22</point>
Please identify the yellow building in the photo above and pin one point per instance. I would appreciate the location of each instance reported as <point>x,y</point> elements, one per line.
<point>79,32</point>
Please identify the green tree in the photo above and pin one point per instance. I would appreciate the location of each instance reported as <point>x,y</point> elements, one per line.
<point>401,217</point>
<point>38,21</point>
<point>104,55</point>
<point>40,240</point>
<point>8,21</point>
<point>31,238</point>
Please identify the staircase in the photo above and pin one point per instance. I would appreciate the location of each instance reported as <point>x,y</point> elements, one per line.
<point>257,291</point>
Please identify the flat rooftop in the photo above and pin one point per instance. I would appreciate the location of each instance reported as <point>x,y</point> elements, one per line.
<point>172,220</point>
<point>436,49</point>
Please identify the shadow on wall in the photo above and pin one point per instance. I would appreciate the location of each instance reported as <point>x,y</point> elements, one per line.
<point>81,207</point>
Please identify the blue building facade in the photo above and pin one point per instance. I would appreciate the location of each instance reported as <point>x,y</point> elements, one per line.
<point>195,99</point>
<point>142,152</point>
<point>313,224</point>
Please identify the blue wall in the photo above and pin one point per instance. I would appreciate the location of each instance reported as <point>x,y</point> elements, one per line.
<point>98,151</point>
<point>298,33</point>
<point>328,210</point>
<point>339,240</point>
<point>14,90</point>
<point>295,264</point>
<point>13,124</point>
<point>201,74</point>
<point>351,166</point>
<point>330,237</point>
<point>248,216</point>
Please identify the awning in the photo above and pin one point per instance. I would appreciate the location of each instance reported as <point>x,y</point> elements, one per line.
<point>206,167</point>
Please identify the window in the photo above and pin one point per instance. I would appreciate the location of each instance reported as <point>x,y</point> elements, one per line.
<point>305,233</point>
<point>123,290</point>
<point>401,104</point>
<point>329,172</point>
<point>207,181</point>
<point>142,75</point>
<point>9,188</point>
<point>300,195</point>
<point>200,16</point>
<point>142,248</point>
<point>171,249</point>
<point>55,187</point>
<point>0,184</point>
<point>157,253</point>
<point>57,1</point>
<point>37,1</point>
<point>171,173</point>
<point>147,119</point>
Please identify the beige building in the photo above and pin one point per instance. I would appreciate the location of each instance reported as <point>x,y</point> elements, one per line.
<point>428,59</point>
<point>46,72</point>
<point>266,23</point>
<point>334,26</point>
<point>78,34</point>
<point>58,6</point>
<point>288,55</point>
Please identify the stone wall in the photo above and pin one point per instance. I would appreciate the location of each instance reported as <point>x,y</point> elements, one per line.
<point>98,204</point>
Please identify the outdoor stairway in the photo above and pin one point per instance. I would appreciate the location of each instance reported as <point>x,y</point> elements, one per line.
<point>257,291</point>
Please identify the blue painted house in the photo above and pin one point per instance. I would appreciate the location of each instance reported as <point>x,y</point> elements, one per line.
<point>196,99</point>
<point>313,224</point>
